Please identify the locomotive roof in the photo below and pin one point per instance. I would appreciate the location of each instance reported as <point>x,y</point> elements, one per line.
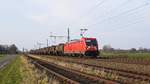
<point>87,38</point>
<point>83,38</point>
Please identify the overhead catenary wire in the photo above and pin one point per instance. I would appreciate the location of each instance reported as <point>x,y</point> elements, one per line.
<point>125,12</point>
<point>133,23</point>
<point>95,7</point>
<point>90,11</point>
<point>128,11</point>
<point>134,18</point>
<point>119,29</point>
<point>117,7</point>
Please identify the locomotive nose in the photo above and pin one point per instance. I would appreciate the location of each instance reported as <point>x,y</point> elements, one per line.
<point>91,48</point>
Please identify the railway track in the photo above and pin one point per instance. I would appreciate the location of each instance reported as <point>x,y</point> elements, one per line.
<point>126,60</point>
<point>128,75</point>
<point>116,60</point>
<point>124,73</point>
<point>68,75</point>
<point>98,62</point>
<point>119,60</point>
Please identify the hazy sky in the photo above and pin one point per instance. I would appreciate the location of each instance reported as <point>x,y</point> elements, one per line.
<point>120,23</point>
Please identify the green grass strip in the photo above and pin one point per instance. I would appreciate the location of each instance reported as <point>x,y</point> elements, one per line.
<point>11,73</point>
<point>2,56</point>
<point>127,54</point>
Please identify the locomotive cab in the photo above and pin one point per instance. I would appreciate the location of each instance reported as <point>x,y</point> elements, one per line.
<point>91,47</point>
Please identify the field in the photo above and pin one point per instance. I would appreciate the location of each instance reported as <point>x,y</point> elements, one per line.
<point>131,55</point>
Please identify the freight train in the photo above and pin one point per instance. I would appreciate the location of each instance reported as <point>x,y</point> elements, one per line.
<point>82,47</point>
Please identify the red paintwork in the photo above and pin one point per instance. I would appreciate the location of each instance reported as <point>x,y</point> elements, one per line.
<point>79,46</point>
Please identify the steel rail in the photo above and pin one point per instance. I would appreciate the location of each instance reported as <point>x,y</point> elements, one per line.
<point>69,74</point>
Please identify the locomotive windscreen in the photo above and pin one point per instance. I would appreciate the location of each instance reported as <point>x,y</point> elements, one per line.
<point>91,42</point>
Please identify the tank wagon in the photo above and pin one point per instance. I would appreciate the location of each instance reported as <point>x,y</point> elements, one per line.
<point>81,47</point>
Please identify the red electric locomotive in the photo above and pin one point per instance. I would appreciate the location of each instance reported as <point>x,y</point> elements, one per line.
<point>83,47</point>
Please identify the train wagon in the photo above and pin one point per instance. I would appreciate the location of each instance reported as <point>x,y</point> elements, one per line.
<point>83,47</point>
<point>60,49</point>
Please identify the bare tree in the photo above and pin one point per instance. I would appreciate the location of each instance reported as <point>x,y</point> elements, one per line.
<point>12,49</point>
<point>107,48</point>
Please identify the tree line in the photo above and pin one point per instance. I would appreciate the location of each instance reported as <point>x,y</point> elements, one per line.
<point>108,48</point>
<point>8,49</point>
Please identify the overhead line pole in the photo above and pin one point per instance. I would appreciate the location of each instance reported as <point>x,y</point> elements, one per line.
<point>39,44</point>
<point>47,42</point>
<point>68,34</point>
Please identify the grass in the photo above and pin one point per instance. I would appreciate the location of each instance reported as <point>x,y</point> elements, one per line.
<point>11,73</point>
<point>31,75</point>
<point>132,55</point>
<point>20,71</point>
<point>1,56</point>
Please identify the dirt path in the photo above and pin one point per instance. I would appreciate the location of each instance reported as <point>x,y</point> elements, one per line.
<point>6,60</point>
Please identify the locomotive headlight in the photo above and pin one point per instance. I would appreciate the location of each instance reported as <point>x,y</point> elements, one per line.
<point>88,47</point>
<point>92,47</point>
